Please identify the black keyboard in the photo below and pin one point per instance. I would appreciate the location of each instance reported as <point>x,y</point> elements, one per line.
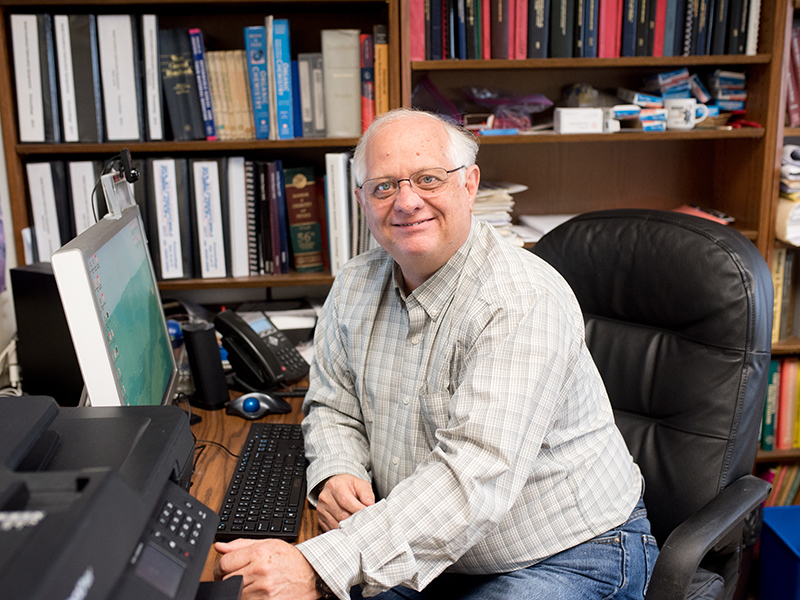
<point>266,493</point>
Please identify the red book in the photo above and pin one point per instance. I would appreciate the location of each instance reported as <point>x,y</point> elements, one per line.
<point>367,81</point>
<point>787,394</point>
<point>660,24</point>
<point>609,28</point>
<point>793,98</point>
<point>416,29</point>
<point>486,30</point>
<point>521,26</point>
<point>512,28</point>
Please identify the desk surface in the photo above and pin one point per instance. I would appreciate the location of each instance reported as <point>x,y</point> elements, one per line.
<point>214,467</point>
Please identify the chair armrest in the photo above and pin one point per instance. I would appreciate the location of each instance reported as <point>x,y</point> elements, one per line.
<point>691,540</point>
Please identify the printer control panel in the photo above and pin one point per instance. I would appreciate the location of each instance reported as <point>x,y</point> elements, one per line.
<point>172,552</point>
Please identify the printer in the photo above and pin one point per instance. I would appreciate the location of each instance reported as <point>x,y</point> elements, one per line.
<point>94,503</point>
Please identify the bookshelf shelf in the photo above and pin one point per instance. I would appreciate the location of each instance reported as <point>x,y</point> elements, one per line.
<point>599,63</point>
<point>628,136</point>
<point>777,456</point>
<point>288,280</point>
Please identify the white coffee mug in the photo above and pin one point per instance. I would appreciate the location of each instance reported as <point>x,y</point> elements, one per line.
<point>682,113</point>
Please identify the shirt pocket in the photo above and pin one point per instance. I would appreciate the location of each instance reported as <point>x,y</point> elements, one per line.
<point>434,410</point>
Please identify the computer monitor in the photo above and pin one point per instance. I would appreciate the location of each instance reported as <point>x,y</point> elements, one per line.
<point>110,297</point>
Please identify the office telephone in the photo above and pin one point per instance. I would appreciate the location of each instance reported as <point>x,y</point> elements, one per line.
<point>260,354</point>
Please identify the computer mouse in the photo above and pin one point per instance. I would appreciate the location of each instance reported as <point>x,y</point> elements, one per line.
<point>257,404</point>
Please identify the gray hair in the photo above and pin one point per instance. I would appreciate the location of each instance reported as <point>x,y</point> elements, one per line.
<point>463,144</point>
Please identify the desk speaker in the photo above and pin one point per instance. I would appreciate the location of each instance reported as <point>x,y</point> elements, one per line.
<point>211,389</point>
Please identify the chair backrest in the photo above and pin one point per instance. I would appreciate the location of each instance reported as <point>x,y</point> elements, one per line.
<point>678,313</point>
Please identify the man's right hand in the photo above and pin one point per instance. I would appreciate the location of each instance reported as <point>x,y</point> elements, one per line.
<point>342,496</point>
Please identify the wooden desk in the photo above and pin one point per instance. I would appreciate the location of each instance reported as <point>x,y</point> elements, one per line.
<point>214,467</point>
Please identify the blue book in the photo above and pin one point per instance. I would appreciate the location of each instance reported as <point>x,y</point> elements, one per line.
<point>255,43</point>
<point>629,12</point>
<point>201,73</point>
<point>283,78</point>
<point>591,8</point>
<point>296,107</point>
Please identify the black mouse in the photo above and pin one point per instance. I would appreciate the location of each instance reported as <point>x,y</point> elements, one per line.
<point>256,405</point>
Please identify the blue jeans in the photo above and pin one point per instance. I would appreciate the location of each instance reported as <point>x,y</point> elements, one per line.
<point>614,565</point>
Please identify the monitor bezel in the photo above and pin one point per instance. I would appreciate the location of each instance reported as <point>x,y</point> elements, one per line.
<point>85,320</point>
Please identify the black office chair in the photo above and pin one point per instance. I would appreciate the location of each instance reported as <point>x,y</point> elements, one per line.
<point>678,313</point>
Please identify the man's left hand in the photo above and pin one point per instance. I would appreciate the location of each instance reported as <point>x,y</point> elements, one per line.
<point>270,568</point>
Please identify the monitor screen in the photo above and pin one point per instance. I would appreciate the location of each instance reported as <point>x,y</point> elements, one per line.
<point>113,308</point>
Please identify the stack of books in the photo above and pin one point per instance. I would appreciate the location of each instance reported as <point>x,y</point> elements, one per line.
<point>787,220</point>
<point>494,203</point>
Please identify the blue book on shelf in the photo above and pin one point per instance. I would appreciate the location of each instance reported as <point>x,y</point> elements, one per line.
<point>283,78</point>
<point>255,43</point>
<point>201,73</point>
<point>297,109</point>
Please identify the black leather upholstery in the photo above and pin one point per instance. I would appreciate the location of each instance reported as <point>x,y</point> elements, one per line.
<point>678,315</point>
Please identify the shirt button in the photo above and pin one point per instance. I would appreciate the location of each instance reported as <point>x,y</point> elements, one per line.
<point>434,314</point>
<point>405,400</point>
<point>395,461</point>
<point>415,340</point>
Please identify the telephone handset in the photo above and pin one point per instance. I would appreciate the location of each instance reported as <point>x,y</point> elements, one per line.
<point>260,354</point>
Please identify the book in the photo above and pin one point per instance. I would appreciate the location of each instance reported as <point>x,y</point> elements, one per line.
<point>381,45</point>
<point>486,30</point>
<point>562,28</point>
<point>787,295</point>
<point>659,27</point>
<point>266,258</point>
<point>719,26</point>
<point>79,89</point>
<point>273,114</point>
<point>416,30</point>
<point>670,26</point>
<point>628,28</point>
<point>435,50</point>
<point>538,28</point>
<point>208,230</point>
<point>253,252</point>
<point>777,270</point>
<point>203,89</point>
<point>367,80</point>
<point>239,104</point>
<point>118,45</point>
<point>312,94</point>
<point>83,175</point>
<point>471,27</point>
<point>770,406</point>
<point>753,23</point>
<point>52,219</point>
<point>337,208</point>
<point>283,79</point>
<point>342,82</point>
<point>151,69</point>
<point>500,27</point>
<point>737,25</point>
<point>180,85</point>
<point>280,231</point>
<point>642,28</point>
<point>296,106</point>
<point>219,93</point>
<point>591,10</point>
<point>32,45</point>
<point>255,41</point>
<point>170,221</point>
<point>787,403</point>
<point>303,219</point>
<point>520,25</point>
<point>237,217</point>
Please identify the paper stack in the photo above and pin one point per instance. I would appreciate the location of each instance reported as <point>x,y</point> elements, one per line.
<point>494,203</point>
<point>787,222</point>
<point>533,227</point>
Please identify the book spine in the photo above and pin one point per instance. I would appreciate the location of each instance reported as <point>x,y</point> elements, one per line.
<point>486,30</point>
<point>381,43</point>
<point>719,27</point>
<point>784,435</point>
<point>669,27</point>
<point>342,82</point>
<point>201,74</point>
<point>303,219</point>
<point>367,80</point>
<point>778,262</point>
<point>461,29</point>
<point>66,78</point>
<point>283,79</point>
<point>770,407</point>
<point>266,258</point>
<point>152,78</point>
<point>255,39</point>
<point>642,27</point>
<point>119,70</point>
<point>562,28</point>
<point>42,196</point>
<point>590,25</point>
<point>180,85</point>
<point>416,30</point>
<point>47,53</point>
<point>170,207</point>
<point>520,26</point>
<point>238,245</point>
<point>580,24</point>
<point>435,28</point>
<point>208,233</point>
<point>499,28</point>
<point>538,28</point>
<point>297,109</point>
<point>659,27</point>
<point>28,78</point>
<point>628,43</point>
<point>82,177</point>
<point>753,23</point>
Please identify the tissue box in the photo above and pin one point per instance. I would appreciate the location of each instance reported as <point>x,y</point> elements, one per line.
<point>578,120</point>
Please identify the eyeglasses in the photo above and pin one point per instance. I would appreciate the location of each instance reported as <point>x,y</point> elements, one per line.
<point>427,183</point>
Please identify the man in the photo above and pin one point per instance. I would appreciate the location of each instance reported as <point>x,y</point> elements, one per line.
<point>460,440</point>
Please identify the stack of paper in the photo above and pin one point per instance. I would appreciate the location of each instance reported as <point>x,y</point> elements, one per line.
<point>533,227</point>
<point>494,203</point>
<point>787,221</point>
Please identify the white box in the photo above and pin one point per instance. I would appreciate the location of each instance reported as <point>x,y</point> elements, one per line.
<point>578,120</point>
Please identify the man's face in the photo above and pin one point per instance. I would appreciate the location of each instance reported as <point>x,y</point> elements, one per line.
<point>421,233</point>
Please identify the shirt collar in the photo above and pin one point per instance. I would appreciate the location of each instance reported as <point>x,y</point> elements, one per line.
<point>434,294</point>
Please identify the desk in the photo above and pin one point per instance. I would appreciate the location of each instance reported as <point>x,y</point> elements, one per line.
<point>215,467</point>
